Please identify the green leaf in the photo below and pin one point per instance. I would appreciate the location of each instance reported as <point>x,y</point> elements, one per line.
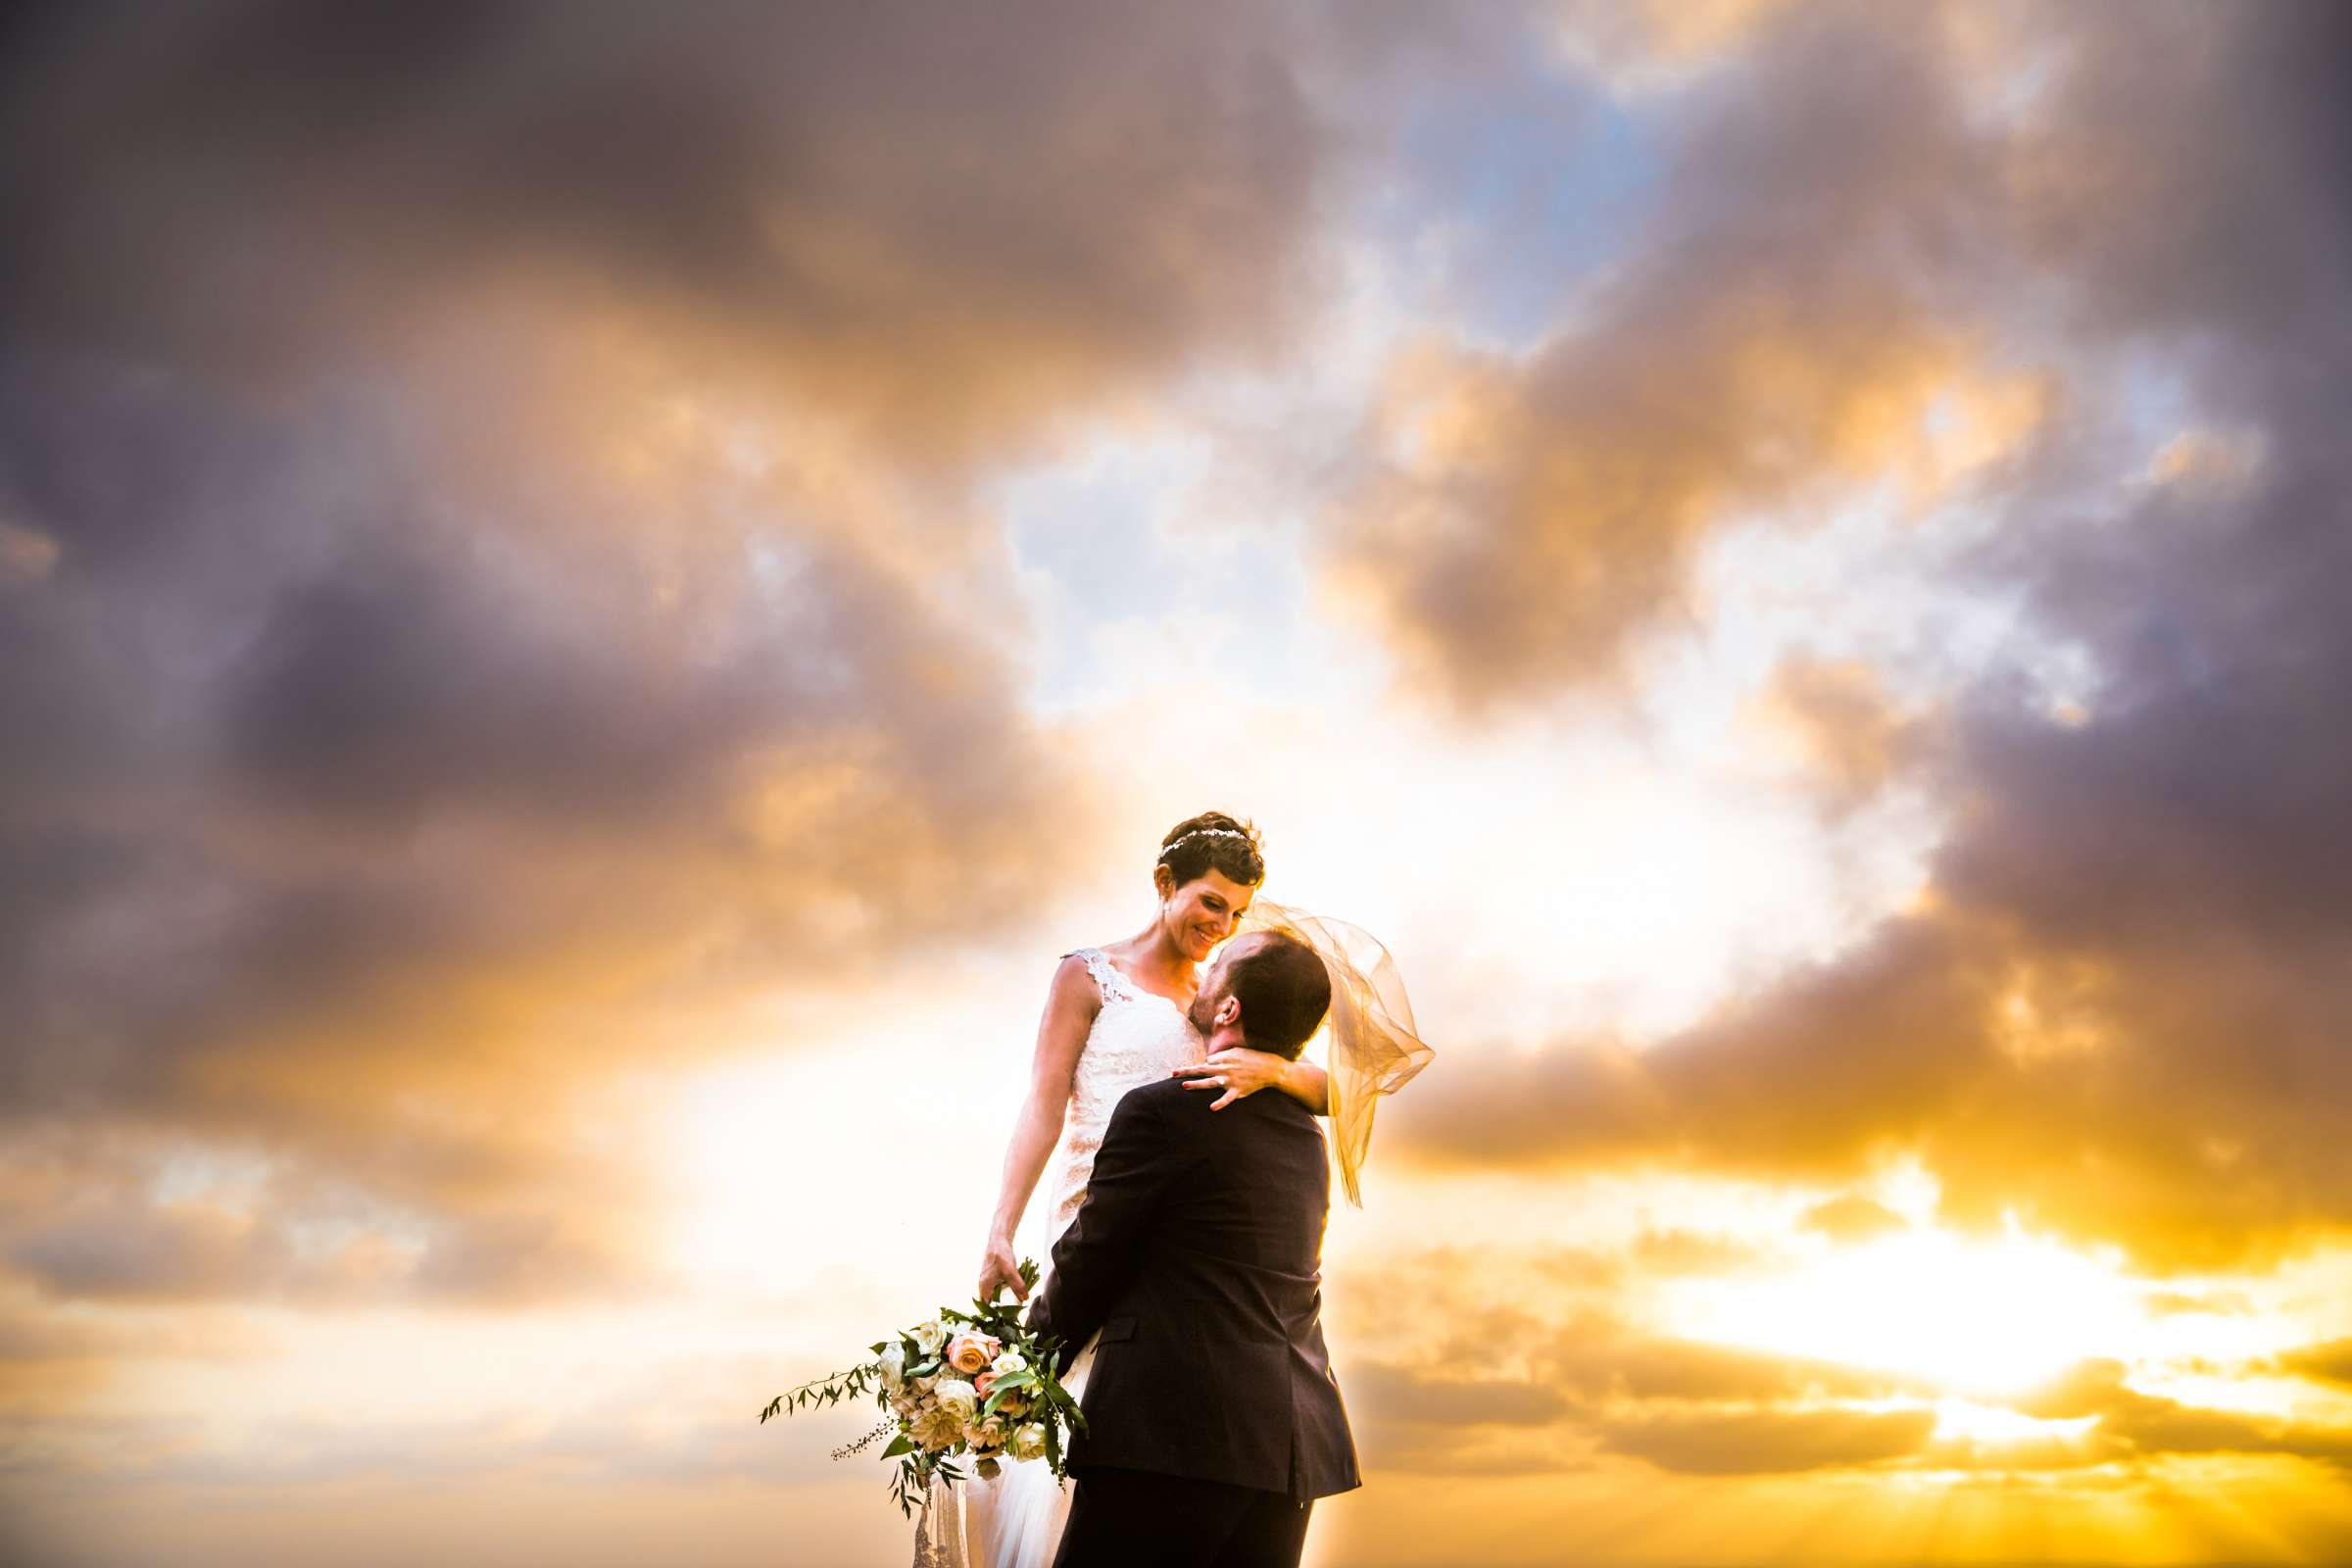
<point>902,1444</point>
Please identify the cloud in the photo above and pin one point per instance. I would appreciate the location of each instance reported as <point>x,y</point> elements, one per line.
<point>2112,1011</point>
<point>1491,1369</point>
<point>941,229</point>
<point>1655,45</point>
<point>1521,1360</point>
<point>1831,295</point>
<point>1397,1394</point>
<point>354,807</point>
<point>1851,1219</point>
<point>489,553</point>
<point>510,619</point>
<point>2328,1362</point>
<point>1606,1361</point>
<point>1835,722</point>
<point>1798,320</point>
<point>1768,1442</point>
<point>2049,1088</point>
<point>1681,1252</point>
<point>2129,1422</point>
<point>1606,1385</point>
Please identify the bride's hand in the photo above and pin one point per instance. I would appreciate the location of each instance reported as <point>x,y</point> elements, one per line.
<point>1240,1072</point>
<point>998,1266</point>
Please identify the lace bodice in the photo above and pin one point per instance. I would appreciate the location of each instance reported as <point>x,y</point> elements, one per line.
<point>1136,1037</point>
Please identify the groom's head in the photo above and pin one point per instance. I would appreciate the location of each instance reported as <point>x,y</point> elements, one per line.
<point>1266,990</point>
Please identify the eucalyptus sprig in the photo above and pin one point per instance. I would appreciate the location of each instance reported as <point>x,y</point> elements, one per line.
<point>831,1388</point>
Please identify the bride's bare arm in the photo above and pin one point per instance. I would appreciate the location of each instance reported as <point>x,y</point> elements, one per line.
<point>1070,1009</point>
<point>1308,1084</point>
<point>1245,1073</point>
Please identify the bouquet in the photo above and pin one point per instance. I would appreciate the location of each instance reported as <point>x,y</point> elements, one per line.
<point>963,1386</point>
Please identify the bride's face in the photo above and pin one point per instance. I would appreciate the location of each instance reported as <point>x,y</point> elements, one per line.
<point>1202,913</point>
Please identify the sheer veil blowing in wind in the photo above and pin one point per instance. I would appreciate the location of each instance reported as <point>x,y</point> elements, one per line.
<point>1373,1049</point>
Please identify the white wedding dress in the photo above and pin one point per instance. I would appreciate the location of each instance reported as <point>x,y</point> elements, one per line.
<point>1138,1037</point>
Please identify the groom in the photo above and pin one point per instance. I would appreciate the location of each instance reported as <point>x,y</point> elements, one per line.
<point>1214,1420</point>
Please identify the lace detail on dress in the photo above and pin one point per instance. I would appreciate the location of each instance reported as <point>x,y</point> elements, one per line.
<point>1107,974</point>
<point>1137,1037</point>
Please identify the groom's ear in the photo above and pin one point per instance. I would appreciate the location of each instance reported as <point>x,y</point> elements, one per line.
<point>1229,1011</point>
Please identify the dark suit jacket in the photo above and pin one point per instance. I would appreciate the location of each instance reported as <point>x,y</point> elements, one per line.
<point>1197,1253</point>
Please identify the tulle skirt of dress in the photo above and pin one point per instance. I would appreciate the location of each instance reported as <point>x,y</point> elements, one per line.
<point>1016,1521</point>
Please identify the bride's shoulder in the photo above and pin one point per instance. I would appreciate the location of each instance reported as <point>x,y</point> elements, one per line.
<point>1078,978</point>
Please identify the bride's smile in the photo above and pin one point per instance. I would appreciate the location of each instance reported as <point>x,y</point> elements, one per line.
<point>1206,912</point>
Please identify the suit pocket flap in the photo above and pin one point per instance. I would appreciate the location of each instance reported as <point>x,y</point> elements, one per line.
<point>1117,1328</point>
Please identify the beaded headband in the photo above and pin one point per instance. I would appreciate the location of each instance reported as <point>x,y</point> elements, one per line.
<point>1201,833</point>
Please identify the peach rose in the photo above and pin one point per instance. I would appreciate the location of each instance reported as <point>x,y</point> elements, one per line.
<point>969,1353</point>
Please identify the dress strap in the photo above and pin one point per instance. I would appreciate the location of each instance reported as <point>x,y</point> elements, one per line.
<point>1107,973</point>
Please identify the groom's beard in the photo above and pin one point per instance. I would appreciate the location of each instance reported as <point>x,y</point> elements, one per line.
<point>1199,1018</point>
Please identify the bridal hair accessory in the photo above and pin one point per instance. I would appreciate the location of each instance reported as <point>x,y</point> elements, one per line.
<point>1169,848</point>
<point>1373,1049</point>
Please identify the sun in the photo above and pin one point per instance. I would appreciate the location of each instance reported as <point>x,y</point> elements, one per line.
<point>1991,1316</point>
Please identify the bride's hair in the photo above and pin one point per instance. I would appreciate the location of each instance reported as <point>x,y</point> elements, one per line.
<point>1214,841</point>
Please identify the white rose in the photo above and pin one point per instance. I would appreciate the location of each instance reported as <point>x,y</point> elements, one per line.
<point>1009,1363</point>
<point>929,1337</point>
<point>958,1396</point>
<point>1029,1442</point>
<point>892,1364</point>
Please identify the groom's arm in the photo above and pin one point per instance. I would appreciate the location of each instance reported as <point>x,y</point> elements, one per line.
<point>1144,1155</point>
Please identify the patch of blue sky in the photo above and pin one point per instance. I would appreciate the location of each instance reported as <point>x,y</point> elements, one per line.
<point>2155,394</point>
<point>1528,186</point>
<point>1133,579</point>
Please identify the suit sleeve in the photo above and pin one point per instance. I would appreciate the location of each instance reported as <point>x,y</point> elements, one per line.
<point>1142,1158</point>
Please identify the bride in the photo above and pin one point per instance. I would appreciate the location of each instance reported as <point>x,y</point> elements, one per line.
<point>1117,1017</point>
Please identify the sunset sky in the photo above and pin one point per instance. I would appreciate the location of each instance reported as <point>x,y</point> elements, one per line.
<point>590,595</point>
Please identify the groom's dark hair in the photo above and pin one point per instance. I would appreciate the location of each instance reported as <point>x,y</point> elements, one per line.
<point>1284,991</point>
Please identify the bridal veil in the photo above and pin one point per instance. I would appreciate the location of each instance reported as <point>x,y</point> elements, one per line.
<point>1373,1046</point>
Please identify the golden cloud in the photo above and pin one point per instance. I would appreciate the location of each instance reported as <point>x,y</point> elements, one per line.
<point>1538,514</point>
<point>2109,1011</point>
<point>1835,722</point>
